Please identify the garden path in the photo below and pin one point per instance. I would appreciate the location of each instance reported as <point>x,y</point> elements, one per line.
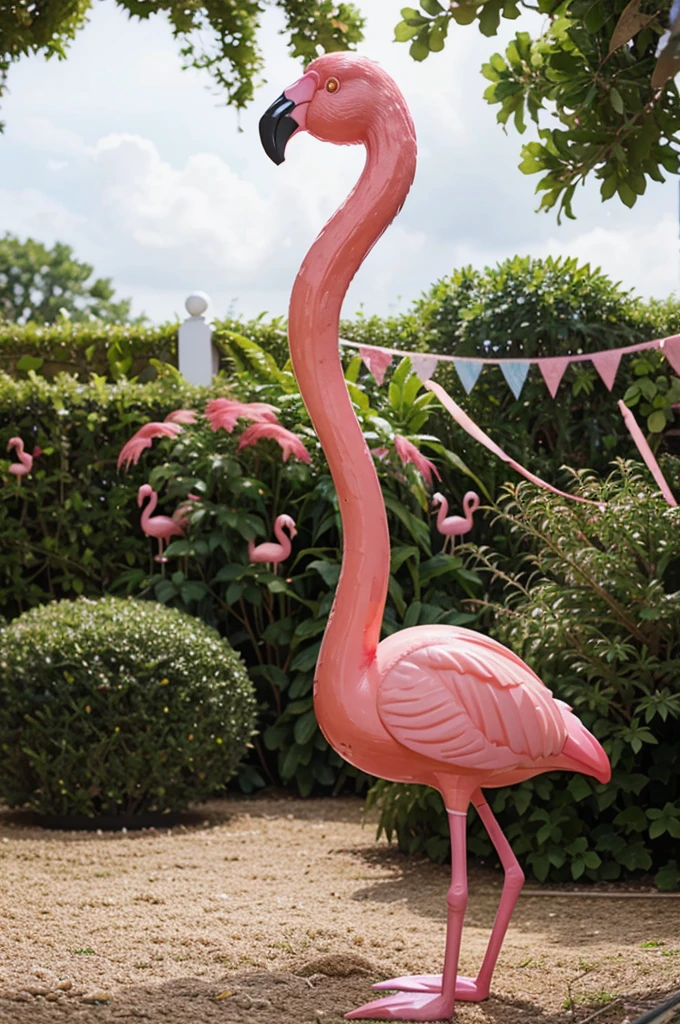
<point>277,911</point>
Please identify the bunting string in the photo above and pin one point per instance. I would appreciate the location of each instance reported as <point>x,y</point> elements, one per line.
<point>378,358</point>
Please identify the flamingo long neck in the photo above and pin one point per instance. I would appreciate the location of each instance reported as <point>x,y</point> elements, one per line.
<point>24,458</point>
<point>283,539</point>
<point>146,513</point>
<point>353,631</point>
<point>442,514</point>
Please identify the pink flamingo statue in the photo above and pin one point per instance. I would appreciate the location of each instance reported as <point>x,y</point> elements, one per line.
<point>439,705</point>
<point>25,464</point>
<point>455,526</point>
<point>271,552</point>
<point>161,527</point>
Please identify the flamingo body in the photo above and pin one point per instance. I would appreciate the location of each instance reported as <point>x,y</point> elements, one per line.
<point>270,552</point>
<point>160,527</point>
<point>25,464</point>
<point>455,526</point>
<point>439,705</point>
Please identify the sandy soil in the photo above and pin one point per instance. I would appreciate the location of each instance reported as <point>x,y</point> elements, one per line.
<point>284,912</point>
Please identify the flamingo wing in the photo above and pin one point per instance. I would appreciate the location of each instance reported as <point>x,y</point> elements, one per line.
<point>476,709</point>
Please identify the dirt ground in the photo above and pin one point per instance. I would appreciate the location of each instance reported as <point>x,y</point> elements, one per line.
<point>276,911</point>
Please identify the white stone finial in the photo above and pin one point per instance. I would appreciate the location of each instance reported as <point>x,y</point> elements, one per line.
<point>197,303</point>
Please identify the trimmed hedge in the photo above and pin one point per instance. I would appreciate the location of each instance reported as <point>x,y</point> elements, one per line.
<point>115,707</point>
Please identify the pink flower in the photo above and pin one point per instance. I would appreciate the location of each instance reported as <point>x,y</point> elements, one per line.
<point>225,412</point>
<point>290,442</point>
<point>132,451</point>
<point>408,452</point>
<point>183,416</point>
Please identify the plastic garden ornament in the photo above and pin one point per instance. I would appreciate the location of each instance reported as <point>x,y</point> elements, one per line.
<point>439,705</point>
<point>272,553</point>
<point>25,464</point>
<point>455,526</point>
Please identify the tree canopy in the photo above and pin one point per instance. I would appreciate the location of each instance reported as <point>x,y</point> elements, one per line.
<point>40,285</point>
<point>220,36</point>
<point>600,72</point>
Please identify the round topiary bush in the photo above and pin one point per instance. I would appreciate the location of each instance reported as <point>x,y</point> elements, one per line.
<point>118,707</point>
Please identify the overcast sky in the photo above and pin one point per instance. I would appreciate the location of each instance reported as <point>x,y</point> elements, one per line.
<point>133,162</point>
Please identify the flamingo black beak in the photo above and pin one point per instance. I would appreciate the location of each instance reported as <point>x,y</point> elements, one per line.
<point>287,115</point>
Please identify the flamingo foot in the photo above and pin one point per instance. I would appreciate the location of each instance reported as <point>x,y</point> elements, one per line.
<point>467,989</point>
<point>160,558</point>
<point>406,1006</point>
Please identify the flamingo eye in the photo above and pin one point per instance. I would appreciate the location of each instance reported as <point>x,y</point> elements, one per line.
<point>332,85</point>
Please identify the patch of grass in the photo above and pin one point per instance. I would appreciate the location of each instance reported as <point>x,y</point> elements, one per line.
<point>651,944</point>
<point>85,951</point>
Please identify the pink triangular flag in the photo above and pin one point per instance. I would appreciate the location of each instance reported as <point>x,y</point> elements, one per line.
<point>607,363</point>
<point>553,371</point>
<point>377,360</point>
<point>671,349</point>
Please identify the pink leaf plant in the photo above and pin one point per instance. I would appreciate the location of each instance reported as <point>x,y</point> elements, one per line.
<point>224,413</point>
<point>408,452</point>
<point>290,443</point>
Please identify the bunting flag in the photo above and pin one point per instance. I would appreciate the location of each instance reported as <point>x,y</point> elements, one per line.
<point>553,372</point>
<point>646,453</point>
<point>469,425</point>
<point>377,361</point>
<point>424,366</point>
<point>515,371</point>
<point>515,374</point>
<point>607,363</point>
<point>468,371</point>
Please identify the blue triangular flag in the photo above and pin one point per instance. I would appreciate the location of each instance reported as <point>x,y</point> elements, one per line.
<point>468,370</point>
<point>515,374</point>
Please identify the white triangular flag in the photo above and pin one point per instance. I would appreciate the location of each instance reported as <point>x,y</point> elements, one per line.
<point>424,366</point>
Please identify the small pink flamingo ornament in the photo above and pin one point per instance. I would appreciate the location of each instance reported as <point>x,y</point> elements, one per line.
<point>439,705</point>
<point>161,527</point>
<point>275,553</point>
<point>25,464</point>
<point>455,526</point>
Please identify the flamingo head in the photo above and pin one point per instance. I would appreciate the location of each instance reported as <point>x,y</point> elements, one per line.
<point>471,501</point>
<point>289,523</point>
<point>438,499</point>
<point>145,491</point>
<point>335,101</point>
<point>15,442</point>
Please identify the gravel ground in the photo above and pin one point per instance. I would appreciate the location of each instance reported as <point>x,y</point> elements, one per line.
<point>276,911</point>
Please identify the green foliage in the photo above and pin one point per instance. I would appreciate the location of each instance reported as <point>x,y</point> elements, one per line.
<point>44,285</point>
<point>219,36</point>
<point>71,526</point>
<point>66,529</point>
<point>118,707</point>
<point>277,619</point>
<point>592,71</point>
<point>596,613</point>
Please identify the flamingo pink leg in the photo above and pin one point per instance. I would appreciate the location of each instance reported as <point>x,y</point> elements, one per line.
<point>438,1004</point>
<point>476,989</point>
<point>159,557</point>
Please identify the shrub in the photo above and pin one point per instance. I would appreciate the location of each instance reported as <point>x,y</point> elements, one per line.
<point>277,620</point>
<point>118,707</point>
<point>596,613</point>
